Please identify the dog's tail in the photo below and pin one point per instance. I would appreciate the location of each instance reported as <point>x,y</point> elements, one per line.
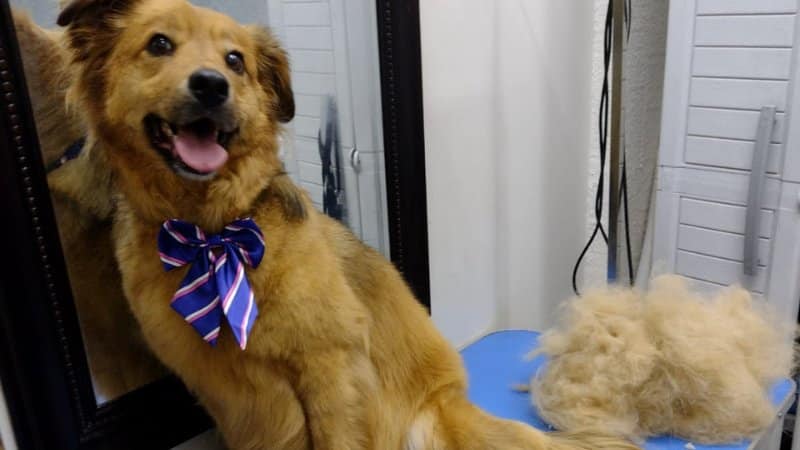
<point>587,440</point>
<point>459,425</point>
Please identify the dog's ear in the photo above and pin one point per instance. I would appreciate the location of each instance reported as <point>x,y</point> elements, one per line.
<point>70,10</point>
<point>92,25</point>
<point>92,28</point>
<point>273,72</point>
<point>75,10</point>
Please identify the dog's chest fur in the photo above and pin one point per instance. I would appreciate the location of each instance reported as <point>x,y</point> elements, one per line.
<point>297,288</point>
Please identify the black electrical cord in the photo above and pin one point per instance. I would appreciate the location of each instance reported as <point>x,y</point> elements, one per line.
<point>624,182</point>
<point>603,141</point>
<point>602,118</point>
<point>624,194</point>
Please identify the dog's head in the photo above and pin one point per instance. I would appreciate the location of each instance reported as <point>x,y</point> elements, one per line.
<point>186,101</point>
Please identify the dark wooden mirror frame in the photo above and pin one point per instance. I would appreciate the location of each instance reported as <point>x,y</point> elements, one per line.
<point>43,366</point>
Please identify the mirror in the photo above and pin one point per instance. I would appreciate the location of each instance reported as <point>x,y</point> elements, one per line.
<point>118,360</point>
<point>358,95</point>
<point>333,149</point>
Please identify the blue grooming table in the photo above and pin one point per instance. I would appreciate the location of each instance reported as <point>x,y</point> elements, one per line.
<point>496,363</point>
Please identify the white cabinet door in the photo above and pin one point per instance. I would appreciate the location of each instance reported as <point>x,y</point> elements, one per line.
<point>783,283</point>
<point>700,225</point>
<point>726,59</point>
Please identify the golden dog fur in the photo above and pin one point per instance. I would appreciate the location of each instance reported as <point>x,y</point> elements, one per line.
<point>342,355</point>
<point>666,361</point>
<point>82,198</point>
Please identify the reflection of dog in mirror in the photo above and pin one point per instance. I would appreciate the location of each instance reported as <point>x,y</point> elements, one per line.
<point>184,105</point>
<point>81,192</point>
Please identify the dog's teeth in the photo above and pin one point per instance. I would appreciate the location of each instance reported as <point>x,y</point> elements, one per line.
<point>166,129</point>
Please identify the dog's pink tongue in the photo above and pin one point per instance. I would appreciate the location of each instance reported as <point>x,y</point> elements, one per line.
<point>202,154</point>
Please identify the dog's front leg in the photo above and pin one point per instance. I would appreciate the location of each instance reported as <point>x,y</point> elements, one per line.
<point>337,389</point>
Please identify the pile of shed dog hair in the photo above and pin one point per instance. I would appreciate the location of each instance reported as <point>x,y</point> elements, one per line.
<point>666,361</point>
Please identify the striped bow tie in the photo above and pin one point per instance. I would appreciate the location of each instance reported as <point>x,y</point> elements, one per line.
<point>216,284</point>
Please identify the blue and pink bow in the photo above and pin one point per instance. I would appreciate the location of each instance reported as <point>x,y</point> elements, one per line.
<point>216,284</point>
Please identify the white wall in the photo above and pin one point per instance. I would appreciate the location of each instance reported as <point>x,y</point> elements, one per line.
<point>459,95</point>
<point>506,89</point>
<point>544,75</point>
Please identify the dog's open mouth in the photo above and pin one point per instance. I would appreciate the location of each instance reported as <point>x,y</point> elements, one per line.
<point>195,150</point>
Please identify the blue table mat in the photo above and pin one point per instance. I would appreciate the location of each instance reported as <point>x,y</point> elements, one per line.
<point>497,362</point>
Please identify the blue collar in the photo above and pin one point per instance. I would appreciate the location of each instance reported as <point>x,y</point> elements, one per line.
<point>69,154</point>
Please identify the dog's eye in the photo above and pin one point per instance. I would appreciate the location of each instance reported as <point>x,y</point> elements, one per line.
<point>235,61</point>
<point>160,45</point>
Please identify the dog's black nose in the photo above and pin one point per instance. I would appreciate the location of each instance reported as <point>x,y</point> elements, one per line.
<point>209,87</point>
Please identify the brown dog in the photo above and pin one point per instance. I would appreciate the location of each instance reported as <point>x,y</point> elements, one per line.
<point>342,356</point>
<point>82,197</point>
